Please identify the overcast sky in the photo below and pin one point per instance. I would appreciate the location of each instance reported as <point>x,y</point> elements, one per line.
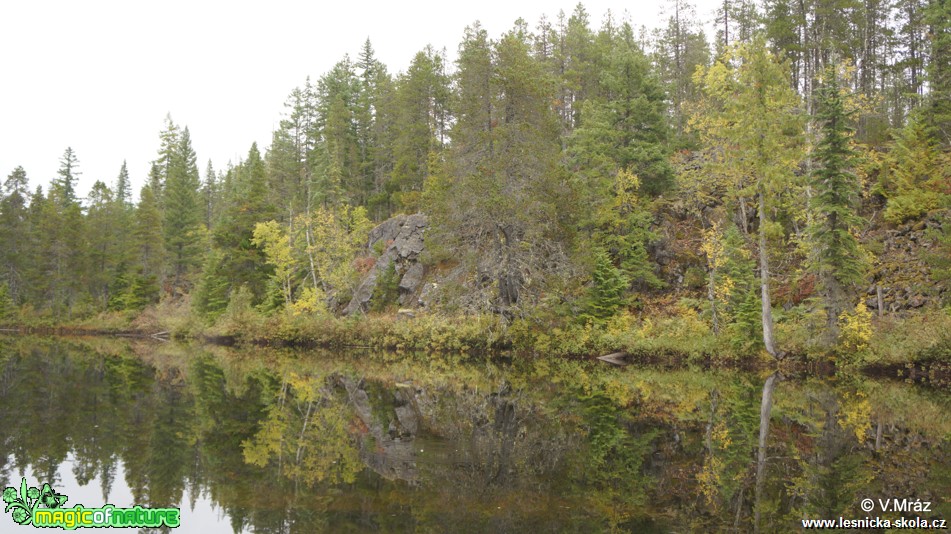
<point>101,76</point>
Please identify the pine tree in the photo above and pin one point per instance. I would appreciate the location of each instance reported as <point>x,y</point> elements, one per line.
<point>835,191</point>
<point>210,192</point>
<point>137,284</point>
<point>337,169</point>
<point>60,228</point>
<point>371,116</point>
<point>213,288</point>
<point>169,147</point>
<point>508,201</point>
<point>103,241</point>
<point>680,48</point>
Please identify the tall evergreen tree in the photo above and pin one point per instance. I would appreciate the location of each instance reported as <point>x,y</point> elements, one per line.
<point>371,116</point>
<point>240,262</point>
<point>169,146</point>
<point>102,239</point>
<point>59,228</point>
<point>508,201</point>
<point>183,213</point>
<point>123,192</point>
<point>938,18</point>
<point>680,48</point>
<point>608,285</point>
<point>149,237</point>
<point>64,186</point>
<point>14,234</point>
<point>835,191</point>
<point>421,123</point>
<point>337,166</point>
<point>627,129</point>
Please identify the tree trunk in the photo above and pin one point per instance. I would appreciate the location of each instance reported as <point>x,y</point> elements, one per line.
<point>881,300</point>
<point>764,282</point>
<point>712,295</point>
<point>509,279</point>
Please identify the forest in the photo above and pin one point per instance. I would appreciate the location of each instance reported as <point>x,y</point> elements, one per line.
<point>781,187</point>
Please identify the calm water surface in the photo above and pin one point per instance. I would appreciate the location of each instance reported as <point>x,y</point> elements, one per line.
<point>319,442</point>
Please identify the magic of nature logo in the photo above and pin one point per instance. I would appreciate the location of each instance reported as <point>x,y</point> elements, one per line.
<point>43,507</point>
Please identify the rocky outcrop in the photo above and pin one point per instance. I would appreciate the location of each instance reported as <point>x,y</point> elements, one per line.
<point>900,268</point>
<point>401,241</point>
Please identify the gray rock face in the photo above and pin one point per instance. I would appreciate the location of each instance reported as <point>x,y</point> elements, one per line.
<point>410,283</point>
<point>402,238</point>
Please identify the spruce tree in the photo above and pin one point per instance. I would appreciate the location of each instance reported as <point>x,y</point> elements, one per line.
<point>149,242</point>
<point>60,229</point>
<point>183,213</point>
<point>938,18</point>
<point>608,286</point>
<point>102,242</point>
<point>246,203</point>
<point>835,191</point>
<point>169,146</point>
<point>629,128</point>
<point>422,97</point>
<point>14,233</point>
<point>210,192</point>
<point>123,192</point>
<point>65,185</point>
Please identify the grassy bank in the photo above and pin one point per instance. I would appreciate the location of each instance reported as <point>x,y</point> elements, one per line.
<point>660,331</point>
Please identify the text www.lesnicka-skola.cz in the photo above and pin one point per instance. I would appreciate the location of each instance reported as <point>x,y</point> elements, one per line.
<point>874,523</point>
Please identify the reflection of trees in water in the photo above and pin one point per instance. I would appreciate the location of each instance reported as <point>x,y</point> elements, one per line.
<point>305,434</point>
<point>325,450</point>
<point>765,413</point>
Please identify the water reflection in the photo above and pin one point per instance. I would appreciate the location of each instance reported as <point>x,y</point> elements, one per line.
<point>316,443</point>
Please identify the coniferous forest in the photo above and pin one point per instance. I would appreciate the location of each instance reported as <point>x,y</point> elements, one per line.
<point>779,187</point>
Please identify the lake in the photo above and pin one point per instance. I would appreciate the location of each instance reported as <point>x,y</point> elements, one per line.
<point>259,440</point>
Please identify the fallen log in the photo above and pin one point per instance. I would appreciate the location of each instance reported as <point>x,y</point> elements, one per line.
<point>615,358</point>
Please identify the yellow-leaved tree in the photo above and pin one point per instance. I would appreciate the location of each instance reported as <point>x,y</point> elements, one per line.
<point>750,113</point>
<point>313,257</point>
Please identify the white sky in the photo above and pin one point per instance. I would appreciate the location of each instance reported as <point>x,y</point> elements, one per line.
<point>100,76</point>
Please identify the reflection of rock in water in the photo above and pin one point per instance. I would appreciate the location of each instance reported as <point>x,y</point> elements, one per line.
<point>492,444</point>
<point>479,437</point>
<point>389,452</point>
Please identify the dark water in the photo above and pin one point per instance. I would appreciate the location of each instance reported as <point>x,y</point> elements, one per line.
<point>316,442</point>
